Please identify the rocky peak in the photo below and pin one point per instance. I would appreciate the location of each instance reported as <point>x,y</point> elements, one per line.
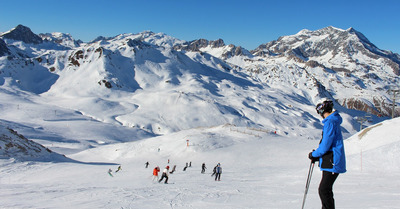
<point>203,45</point>
<point>24,34</point>
<point>64,39</point>
<point>3,48</point>
<point>330,41</point>
<point>196,45</point>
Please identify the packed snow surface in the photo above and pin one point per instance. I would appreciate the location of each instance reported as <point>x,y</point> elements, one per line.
<point>260,170</point>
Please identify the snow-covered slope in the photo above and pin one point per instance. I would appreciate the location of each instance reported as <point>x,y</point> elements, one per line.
<point>16,146</point>
<point>377,147</point>
<point>260,170</point>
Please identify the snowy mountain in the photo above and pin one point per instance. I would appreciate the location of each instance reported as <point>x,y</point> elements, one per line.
<point>338,59</point>
<point>223,83</point>
<point>330,58</point>
<point>62,39</point>
<point>22,33</point>
<point>216,48</point>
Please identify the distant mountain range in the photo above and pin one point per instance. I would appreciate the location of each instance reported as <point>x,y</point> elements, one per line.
<point>330,62</point>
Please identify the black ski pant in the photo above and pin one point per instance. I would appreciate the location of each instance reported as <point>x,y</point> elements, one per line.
<point>325,189</point>
<point>217,176</point>
<point>164,175</point>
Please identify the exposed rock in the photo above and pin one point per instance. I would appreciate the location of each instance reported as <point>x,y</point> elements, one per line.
<point>61,39</point>
<point>3,48</point>
<point>22,33</point>
<point>14,145</point>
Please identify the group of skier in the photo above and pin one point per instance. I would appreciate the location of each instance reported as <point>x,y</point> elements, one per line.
<point>110,171</point>
<point>217,171</point>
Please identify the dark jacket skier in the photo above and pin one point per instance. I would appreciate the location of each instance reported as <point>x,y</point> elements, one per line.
<point>203,168</point>
<point>214,170</point>
<point>218,172</point>
<point>118,169</point>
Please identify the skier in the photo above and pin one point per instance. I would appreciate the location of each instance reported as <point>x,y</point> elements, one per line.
<point>110,172</point>
<point>214,170</point>
<point>203,168</point>
<point>155,173</point>
<point>147,164</point>
<point>190,164</point>
<point>218,171</point>
<point>173,169</point>
<point>330,152</point>
<point>119,168</point>
<point>164,175</point>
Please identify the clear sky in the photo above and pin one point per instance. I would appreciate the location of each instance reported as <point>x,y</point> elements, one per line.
<point>246,23</point>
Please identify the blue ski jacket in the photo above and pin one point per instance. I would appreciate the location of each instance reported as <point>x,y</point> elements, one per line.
<point>332,140</point>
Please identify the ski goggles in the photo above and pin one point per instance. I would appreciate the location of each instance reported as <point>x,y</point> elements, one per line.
<point>322,107</point>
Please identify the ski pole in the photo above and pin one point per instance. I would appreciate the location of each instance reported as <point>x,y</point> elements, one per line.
<point>310,171</point>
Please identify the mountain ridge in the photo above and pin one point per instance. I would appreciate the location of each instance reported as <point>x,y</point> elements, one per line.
<point>151,61</point>
<point>22,33</point>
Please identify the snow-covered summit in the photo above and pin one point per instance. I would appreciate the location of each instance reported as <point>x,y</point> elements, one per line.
<point>329,42</point>
<point>337,59</point>
<point>64,39</point>
<point>22,33</point>
<point>216,48</point>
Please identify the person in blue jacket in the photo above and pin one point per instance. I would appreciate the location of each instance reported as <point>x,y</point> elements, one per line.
<point>330,152</point>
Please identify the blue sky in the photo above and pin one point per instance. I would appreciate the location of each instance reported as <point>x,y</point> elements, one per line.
<point>246,23</point>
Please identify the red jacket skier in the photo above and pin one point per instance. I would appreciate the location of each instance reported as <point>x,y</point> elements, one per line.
<point>155,173</point>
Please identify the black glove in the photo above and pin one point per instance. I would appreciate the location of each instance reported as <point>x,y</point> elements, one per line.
<point>313,159</point>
